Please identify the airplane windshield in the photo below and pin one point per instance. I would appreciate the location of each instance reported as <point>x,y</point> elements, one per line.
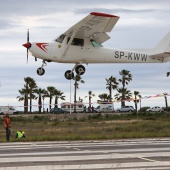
<point>95,44</point>
<point>60,38</point>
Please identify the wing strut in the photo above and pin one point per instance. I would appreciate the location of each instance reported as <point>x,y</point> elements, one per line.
<point>69,43</point>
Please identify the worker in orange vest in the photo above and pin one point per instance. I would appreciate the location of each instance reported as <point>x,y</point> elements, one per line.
<point>7,125</point>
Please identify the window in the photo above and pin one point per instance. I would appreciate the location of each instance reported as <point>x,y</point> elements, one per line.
<point>60,38</point>
<point>95,44</point>
<point>76,42</point>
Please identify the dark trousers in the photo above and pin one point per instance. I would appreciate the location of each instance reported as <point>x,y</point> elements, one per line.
<point>8,132</point>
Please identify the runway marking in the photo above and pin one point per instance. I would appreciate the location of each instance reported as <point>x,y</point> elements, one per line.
<point>79,156</point>
<point>151,160</point>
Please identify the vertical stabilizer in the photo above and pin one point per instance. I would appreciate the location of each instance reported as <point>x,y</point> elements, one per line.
<point>163,45</point>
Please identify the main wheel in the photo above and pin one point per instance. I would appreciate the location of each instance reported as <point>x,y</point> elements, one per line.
<point>69,75</point>
<point>80,69</point>
<point>40,71</point>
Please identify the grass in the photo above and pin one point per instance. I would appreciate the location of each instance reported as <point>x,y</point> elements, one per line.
<point>89,126</point>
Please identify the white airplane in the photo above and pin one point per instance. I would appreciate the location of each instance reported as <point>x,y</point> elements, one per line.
<point>82,44</point>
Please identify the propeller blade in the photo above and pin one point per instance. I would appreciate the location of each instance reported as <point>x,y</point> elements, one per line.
<point>27,55</point>
<point>28,36</point>
<point>28,44</point>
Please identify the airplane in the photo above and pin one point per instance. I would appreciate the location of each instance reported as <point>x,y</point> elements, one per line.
<point>82,44</point>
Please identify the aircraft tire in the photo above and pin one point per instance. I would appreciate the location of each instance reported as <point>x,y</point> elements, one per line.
<point>80,69</point>
<point>69,75</point>
<point>40,71</point>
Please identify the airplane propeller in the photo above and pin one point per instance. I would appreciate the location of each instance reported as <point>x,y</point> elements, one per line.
<point>28,44</point>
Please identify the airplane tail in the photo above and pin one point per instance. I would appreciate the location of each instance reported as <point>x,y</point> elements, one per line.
<point>162,50</point>
<point>164,45</point>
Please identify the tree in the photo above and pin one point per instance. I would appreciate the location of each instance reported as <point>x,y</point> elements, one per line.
<point>28,92</point>
<point>31,89</point>
<point>126,77</point>
<point>50,94</point>
<point>76,79</point>
<point>123,94</point>
<point>90,95</point>
<point>137,95</point>
<point>23,97</point>
<point>166,102</point>
<point>111,83</point>
<point>104,96</point>
<point>41,93</point>
<point>58,95</point>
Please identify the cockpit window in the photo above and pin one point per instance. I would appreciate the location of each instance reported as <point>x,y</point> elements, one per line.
<point>95,44</point>
<point>60,38</point>
<point>76,42</point>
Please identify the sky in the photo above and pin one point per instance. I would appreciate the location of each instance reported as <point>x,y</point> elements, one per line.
<point>142,25</point>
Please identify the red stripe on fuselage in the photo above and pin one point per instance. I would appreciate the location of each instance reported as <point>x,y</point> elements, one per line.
<point>43,46</point>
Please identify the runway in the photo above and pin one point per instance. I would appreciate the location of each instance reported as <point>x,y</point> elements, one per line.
<point>135,154</point>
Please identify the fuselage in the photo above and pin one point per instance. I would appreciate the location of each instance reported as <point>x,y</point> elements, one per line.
<point>62,53</point>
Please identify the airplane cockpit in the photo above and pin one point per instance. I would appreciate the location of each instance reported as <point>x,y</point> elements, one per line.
<point>78,41</point>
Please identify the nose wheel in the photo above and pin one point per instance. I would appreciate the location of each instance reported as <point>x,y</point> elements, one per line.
<point>40,71</point>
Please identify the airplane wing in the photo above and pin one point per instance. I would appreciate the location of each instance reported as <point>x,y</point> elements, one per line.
<point>94,26</point>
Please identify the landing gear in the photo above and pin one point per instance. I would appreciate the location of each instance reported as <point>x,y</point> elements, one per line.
<point>41,70</point>
<point>80,70</point>
<point>69,75</point>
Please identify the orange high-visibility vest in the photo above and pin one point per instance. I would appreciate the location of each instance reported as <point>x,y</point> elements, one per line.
<point>7,123</point>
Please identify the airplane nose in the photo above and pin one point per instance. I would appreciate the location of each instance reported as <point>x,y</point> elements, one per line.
<point>27,45</point>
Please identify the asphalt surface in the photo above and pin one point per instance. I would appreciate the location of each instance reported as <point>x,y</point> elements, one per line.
<point>135,154</point>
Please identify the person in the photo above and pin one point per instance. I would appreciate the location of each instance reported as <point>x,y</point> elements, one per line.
<point>20,134</point>
<point>92,109</point>
<point>84,109</point>
<point>7,125</point>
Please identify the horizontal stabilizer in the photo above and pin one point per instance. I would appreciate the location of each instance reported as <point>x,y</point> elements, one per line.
<point>164,57</point>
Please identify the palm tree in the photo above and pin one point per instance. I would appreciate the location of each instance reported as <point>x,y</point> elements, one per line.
<point>90,95</point>
<point>126,77</point>
<point>166,102</point>
<point>31,84</point>
<point>111,84</point>
<point>28,92</point>
<point>58,95</point>
<point>41,92</point>
<point>137,94</point>
<point>23,97</point>
<point>123,94</point>
<point>104,96</point>
<point>43,97</point>
<point>50,94</point>
<point>76,79</point>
